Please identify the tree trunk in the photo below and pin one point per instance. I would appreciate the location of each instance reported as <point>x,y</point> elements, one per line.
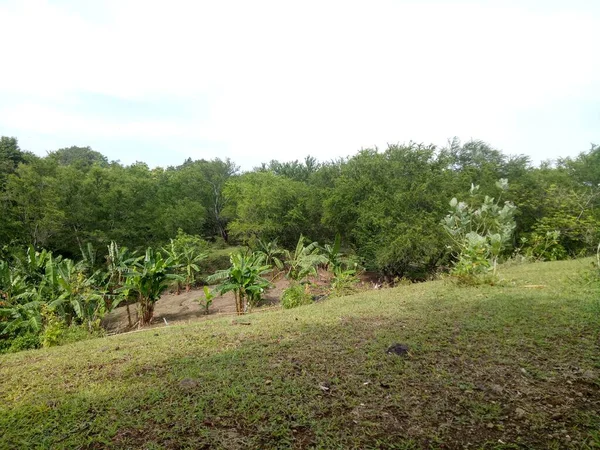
<point>146,312</point>
<point>128,313</point>
<point>238,302</point>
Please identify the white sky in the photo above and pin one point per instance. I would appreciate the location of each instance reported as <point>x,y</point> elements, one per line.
<point>256,80</point>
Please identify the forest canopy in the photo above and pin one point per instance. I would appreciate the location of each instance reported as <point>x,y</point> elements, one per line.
<point>385,204</point>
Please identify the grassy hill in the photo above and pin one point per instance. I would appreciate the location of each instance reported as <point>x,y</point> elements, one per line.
<point>515,365</point>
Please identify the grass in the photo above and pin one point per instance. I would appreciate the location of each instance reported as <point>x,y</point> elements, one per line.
<point>488,367</point>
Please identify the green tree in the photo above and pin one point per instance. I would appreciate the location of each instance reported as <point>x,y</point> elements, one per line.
<point>303,261</point>
<point>268,207</point>
<point>148,279</point>
<point>245,278</point>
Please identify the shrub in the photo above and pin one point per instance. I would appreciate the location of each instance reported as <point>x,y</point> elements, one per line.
<point>56,332</point>
<point>344,282</point>
<point>295,295</point>
<point>26,341</point>
<point>52,331</point>
<point>206,301</point>
<point>544,247</point>
<point>480,233</point>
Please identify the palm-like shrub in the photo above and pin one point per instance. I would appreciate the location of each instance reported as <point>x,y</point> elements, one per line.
<point>147,279</point>
<point>76,296</point>
<point>271,253</point>
<point>118,262</point>
<point>304,260</point>
<point>187,252</point>
<point>245,278</point>
<point>189,262</point>
<point>335,258</point>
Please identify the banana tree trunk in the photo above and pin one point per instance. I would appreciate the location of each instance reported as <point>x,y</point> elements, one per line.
<point>128,313</point>
<point>146,312</point>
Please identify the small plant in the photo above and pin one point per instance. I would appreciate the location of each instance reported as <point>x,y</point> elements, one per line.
<point>25,341</point>
<point>53,330</point>
<point>296,295</point>
<point>206,301</point>
<point>344,282</point>
<point>544,247</point>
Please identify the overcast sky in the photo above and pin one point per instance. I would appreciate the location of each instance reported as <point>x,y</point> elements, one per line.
<point>159,81</point>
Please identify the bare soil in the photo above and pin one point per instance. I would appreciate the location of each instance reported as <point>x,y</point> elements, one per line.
<point>183,308</point>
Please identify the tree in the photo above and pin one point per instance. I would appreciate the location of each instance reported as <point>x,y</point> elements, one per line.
<point>118,261</point>
<point>80,157</point>
<point>10,157</point>
<point>268,207</point>
<point>245,278</point>
<point>147,280</point>
<point>382,202</point>
<point>304,260</point>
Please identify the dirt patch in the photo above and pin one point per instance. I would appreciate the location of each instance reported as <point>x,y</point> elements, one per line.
<point>182,308</point>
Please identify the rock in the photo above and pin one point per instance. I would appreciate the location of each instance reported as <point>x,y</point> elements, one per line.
<point>496,389</point>
<point>189,384</point>
<point>398,349</point>
<point>520,413</point>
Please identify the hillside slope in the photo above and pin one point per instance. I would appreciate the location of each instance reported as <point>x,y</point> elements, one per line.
<point>488,366</point>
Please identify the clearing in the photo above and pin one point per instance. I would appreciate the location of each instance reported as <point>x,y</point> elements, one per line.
<point>509,366</point>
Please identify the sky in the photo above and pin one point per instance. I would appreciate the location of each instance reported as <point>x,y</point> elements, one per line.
<point>161,81</point>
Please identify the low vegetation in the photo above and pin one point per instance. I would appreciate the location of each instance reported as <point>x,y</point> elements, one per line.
<point>513,365</point>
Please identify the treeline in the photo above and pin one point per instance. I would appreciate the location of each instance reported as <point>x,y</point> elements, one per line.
<point>386,205</point>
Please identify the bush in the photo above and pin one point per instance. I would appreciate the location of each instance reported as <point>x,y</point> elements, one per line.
<point>296,295</point>
<point>544,247</point>
<point>56,332</point>
<point>26,341</point>
<point>344,282</point>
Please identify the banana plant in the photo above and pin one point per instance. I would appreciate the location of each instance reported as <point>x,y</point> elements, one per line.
<point>175,254</point>
<point>21,318</point>
<point>88,258</point>
<point>189,261</point>
<point>207,301</point>
<point>78,298</point>
<point>245,278</point>
<point>11,284</point>
<point>147,279</point>
<point>32,265</point>
<point>304,260</point>
<point>335,258</point>
<point>118,261</point>
<point>271,253</point>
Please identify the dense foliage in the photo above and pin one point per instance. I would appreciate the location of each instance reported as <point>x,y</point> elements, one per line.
<point>405,212</point>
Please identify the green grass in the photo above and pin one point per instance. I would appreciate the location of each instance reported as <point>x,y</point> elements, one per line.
<point>488,367</point>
